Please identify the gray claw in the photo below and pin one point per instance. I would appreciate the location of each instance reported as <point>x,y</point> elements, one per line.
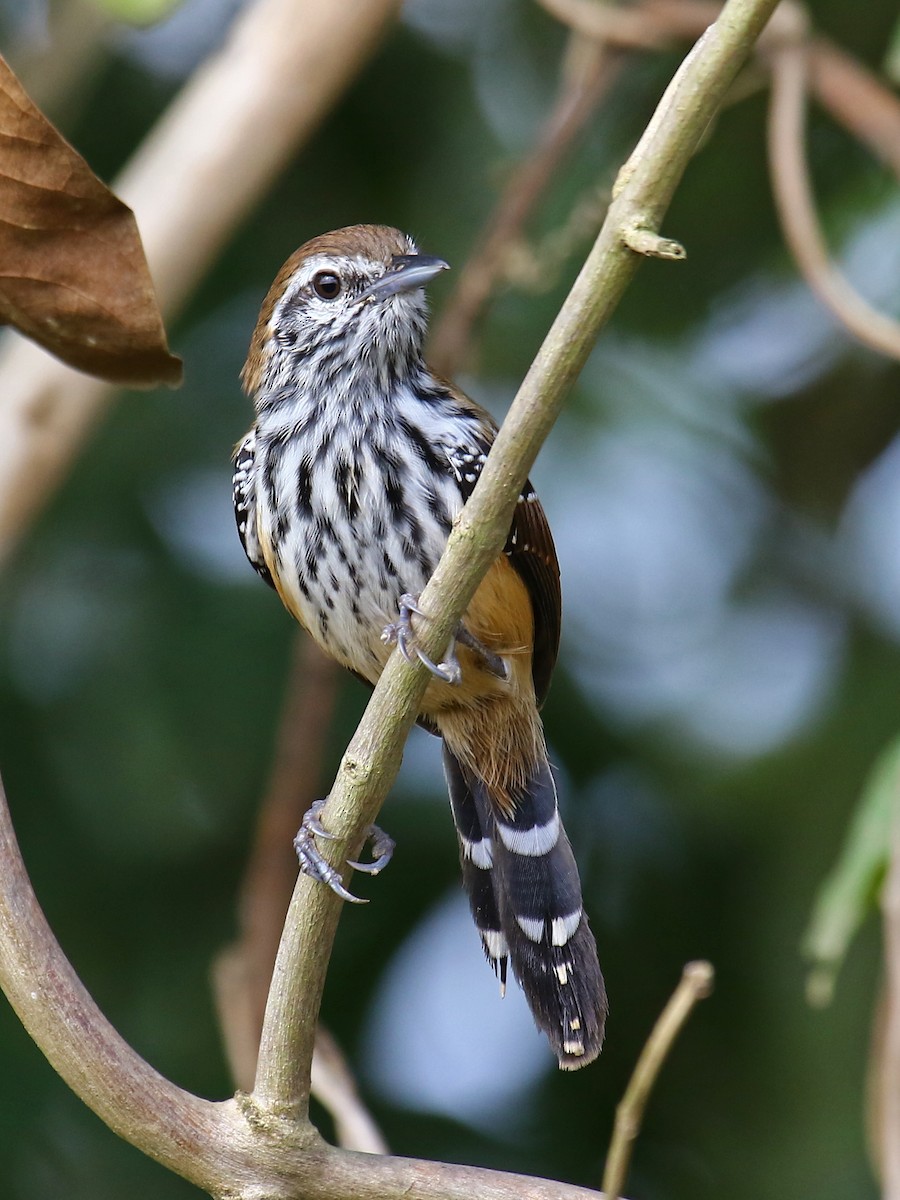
<point>448,670</point>
<point>401,632</point>
<point>311,861</point>
<point>313,825</point>
<point>382,852</point>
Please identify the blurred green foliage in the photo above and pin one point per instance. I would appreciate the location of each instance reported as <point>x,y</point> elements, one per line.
<point>722,490</point>
<point>850,890</point>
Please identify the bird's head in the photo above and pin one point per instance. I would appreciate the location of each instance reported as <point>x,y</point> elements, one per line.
<point>350,301</point>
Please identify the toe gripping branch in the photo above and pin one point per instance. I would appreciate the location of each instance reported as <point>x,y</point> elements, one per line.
<point>449,670</point>
<point>402,632</point>
<point>313,863</point>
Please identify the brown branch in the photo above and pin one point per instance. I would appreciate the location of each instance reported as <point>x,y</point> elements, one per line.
<point>54,1006</point>
<point>334,1087</point>
<point>796,206</point>
<point>497,252</point>
<point>580,93</point>
<point>856,99</point>
<point>648,26</point>
<point>208,160</point>
<point>696,984</point>
<point>227,1148</point>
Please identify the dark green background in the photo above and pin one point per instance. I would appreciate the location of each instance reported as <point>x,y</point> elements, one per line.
<point>140,682</point>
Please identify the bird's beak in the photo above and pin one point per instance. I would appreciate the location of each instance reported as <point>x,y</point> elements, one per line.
<point>406,273</point>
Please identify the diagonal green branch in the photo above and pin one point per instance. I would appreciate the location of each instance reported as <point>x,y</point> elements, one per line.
<point>645,188</point>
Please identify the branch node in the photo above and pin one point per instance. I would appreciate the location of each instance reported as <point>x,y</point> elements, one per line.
<point>264,1118</point>
<point>642,240</point>
<point>355,768</point>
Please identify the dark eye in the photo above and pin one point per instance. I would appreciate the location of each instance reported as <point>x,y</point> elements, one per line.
<point>327,285</point>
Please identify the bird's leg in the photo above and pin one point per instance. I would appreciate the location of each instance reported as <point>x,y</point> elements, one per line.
<point>402,632</point>
<point>493,662</point>
<point>312,862</point>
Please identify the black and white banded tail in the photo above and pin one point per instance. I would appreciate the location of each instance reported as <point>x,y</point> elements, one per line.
<point>522,882</point>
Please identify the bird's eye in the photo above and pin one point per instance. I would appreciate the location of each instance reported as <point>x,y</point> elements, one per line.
<point>327,285</point>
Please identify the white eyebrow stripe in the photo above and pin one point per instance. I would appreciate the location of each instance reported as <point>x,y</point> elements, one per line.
<point>533,842</point>
<point>562,928</point>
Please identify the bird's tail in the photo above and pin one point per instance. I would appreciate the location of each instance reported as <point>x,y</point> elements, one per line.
<point>525,894</point>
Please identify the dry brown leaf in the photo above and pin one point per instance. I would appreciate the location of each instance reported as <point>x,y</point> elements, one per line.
<point>72,270</point>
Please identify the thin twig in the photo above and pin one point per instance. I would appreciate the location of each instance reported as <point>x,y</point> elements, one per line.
<point>334,1086</point>
<point>854,96</point>
<point>856,99</point>
<point>648,182</point>
<point>647,26</point>
<point>796,206</point>
<point>580,92</point>
<point>696,983</point>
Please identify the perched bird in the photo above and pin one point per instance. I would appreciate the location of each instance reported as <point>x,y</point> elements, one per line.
<point>345,490</point>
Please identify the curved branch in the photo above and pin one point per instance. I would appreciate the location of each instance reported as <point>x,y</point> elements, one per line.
<point>647,184</point>
<point>227,1148</point>
<point>56,1009</point>
<point>647,26</point>
<point>796,205</point>
<point>857,99</point>
<point>695,984</point>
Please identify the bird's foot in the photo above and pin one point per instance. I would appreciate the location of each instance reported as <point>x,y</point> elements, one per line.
<point>382,846</point>
<point>313,863</point>
<point>402,632</point>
